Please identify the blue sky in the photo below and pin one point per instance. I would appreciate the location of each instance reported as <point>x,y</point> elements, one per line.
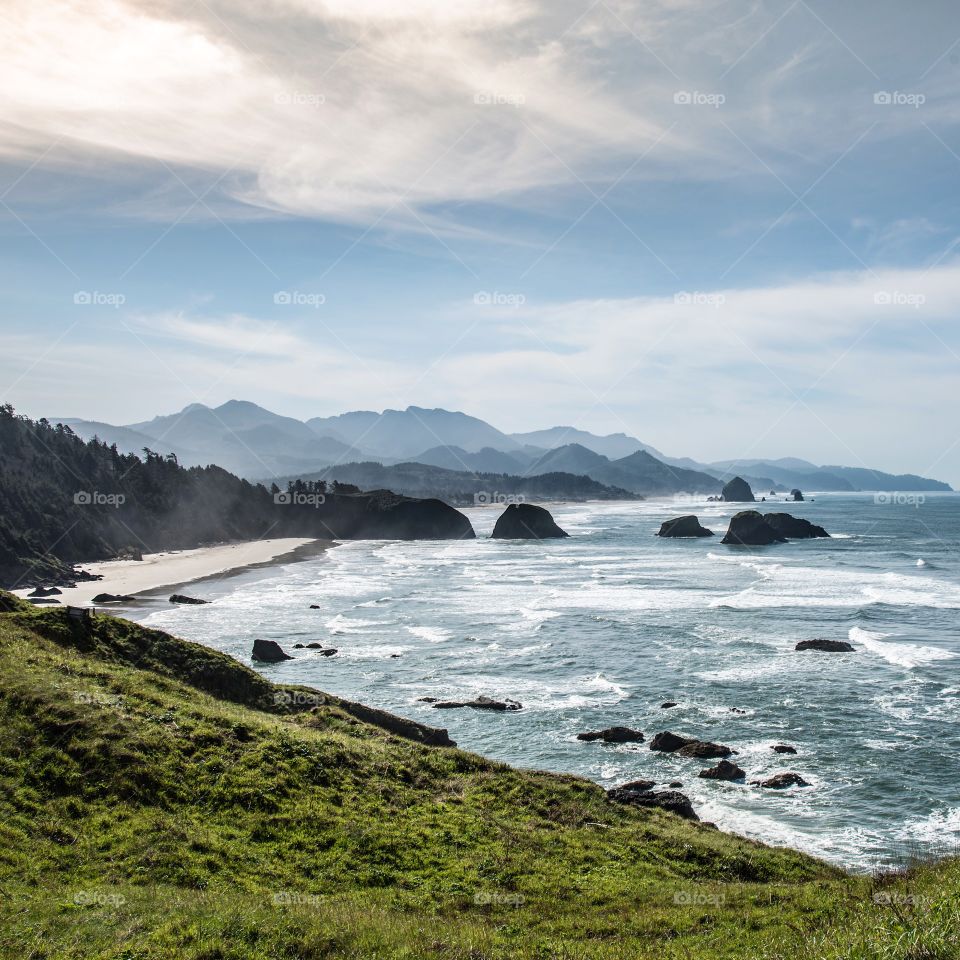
<point>728,228</point>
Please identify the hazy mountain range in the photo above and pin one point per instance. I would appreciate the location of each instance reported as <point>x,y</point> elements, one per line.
<point>258,444</point>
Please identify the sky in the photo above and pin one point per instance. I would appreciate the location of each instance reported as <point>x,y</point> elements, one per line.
<point>727,227</point>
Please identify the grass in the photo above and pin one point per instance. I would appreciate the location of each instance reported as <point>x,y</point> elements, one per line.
<point>158,799</point>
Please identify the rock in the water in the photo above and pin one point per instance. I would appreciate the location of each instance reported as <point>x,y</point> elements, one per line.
<point>479,703</point>
<point>705,750</point>
<point>796,495</point>
<point>724,770</point>
<point>668,742</point>
<point>112,598</point>
<point>737,491</point>
<point>525,521</point>
<point>828,646</point>
<point>639,785</point>
<point>40,601</point>
<point>675,785</point>
<point>782,780</point>
<point>180,598</point>
<point>45,592</point>
<point>794,528</point>
<point>314,606</point>
<point>668,800</point>
<point>667,704</point>
<point>749,528</point>
<point>269,651</point>
<point>428,700</point>
<point>783,748</point>
<point>687,526</point>
<point>613,735</point>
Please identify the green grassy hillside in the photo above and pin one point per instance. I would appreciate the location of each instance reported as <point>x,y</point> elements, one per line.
<point>161,800</point>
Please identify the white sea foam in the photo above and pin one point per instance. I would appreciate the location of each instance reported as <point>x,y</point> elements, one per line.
<point>430,634</point>
<point>899,653</point>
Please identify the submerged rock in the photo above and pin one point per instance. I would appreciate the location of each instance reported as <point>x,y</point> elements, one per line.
<point>737,491</point>
<point>783,748</point>
<point>724,770</point>
<point>180,598</point>
<point>668,800</point>
<point>687,526</point>
<point>705,750</point>
<point>112,598</point>
<point>750,528</point>
<point>667,704</point>
<point>526,521</point>
<point>478,703</point>
<point>794,528</point>
<point>827,646</point>
<point>269,651</point>
<point>781,781</point>
<point>613,735</point>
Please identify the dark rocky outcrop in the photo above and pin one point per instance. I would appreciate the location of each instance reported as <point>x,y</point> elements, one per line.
<point>794,528</point>
<point>668,800</point>
<point>478,703</point>
<point>639,785</point>
<point>526,521</point>
<point>737,491</point>
<point>783,748</point>
<point>704,750</point>
<point>667,704</point>
<point>180,598</point>
<point>269,651</point>
<point>781,781</point>
<point>314,606</point>
<point>749,528</point>
<point>324,651</point>
<point>40,601</point>
<point>686,526</point>
<point>796,495</point>
<point>112,598</point>
<point>667,742</point>
<point>827,646</point>
<point>45,592</point>
<point>724,770</point>
<point>613,735</point>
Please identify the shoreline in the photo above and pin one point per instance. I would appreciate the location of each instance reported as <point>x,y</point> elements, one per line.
<point>158,573</point>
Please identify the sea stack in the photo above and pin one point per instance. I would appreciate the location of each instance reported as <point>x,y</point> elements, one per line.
<point>688,526</point>
<point>794,528</point>
<point>737,491</point>
<point>525,521</point>
<point>749,528</point>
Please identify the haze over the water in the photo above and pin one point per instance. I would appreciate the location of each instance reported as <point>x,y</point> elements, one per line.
<point>727,228</point>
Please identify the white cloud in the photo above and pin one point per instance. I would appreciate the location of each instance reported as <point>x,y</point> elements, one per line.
<point>364,109</point>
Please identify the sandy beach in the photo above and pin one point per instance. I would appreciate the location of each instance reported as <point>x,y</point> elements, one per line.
<point>174,568</point>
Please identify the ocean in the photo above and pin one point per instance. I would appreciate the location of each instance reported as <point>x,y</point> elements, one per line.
<point>600,629</point>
